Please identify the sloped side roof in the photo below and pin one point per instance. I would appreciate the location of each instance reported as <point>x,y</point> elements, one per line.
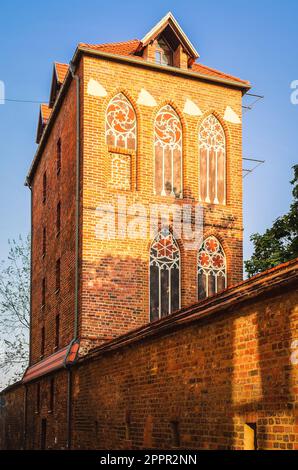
<point>44,115</point>
<point>45,112</point>
<point>119,48</point>
<point>61,71</point>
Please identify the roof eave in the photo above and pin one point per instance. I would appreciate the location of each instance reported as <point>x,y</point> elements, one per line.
<point>243,86</point>
<point>196,75</point>
<point>47,128</point>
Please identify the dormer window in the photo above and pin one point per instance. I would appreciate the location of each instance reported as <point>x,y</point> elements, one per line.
<point>163,53</point>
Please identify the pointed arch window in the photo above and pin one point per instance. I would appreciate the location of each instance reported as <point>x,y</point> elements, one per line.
<point>212,269</point>
<point>168,152</point>
<point>212,143</point>
<point>121,123</point>
<point>164,275</point>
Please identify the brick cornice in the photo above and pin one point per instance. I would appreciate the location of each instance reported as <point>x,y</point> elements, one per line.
<point>277,278</point>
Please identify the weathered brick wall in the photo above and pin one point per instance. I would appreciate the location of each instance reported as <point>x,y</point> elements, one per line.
<point>115,273</point>
<point>211,377</point>
<point>60,187</point>
<point>12,418</point>
<point>56,416</point>
<point>192,380</point>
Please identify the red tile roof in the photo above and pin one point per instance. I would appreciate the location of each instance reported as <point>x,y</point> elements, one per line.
<point>129,48</point>
<point>203,69</point>
<point>119,48</point>
<point>59,359</point>
<point>45,112</point>
<point>61,70</point>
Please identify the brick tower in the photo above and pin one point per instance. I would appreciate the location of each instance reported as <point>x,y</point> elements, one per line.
<point>128,126</point>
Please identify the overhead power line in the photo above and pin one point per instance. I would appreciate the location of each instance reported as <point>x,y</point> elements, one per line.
<point>23,101</point>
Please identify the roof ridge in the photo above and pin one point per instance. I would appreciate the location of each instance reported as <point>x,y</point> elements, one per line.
<point>110,43</point>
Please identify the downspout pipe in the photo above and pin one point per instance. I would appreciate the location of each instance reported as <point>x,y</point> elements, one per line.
<point>77,203</point>
<point>77,247</point>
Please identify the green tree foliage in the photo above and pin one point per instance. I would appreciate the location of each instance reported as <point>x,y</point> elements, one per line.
<point>280,242</point>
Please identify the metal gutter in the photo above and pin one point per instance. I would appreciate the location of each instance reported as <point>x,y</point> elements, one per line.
<point>77,245</point>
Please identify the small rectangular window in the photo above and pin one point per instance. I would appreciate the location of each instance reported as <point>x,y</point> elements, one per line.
<point>58,156</point>
<point>58,219</point>
<point>58,274</point>
<point>158,57</point>
<point>57,331</point>
<point>42,341</point>
<point>44,242</point>
<point>44,187</point>
<point>52,395</point>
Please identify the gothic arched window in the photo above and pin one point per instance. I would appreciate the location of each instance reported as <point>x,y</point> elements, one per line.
<point>168,152</point>
<point>212,270</point>
<point>164,275</point>
<point>121,123</point>
<point>212,144</point>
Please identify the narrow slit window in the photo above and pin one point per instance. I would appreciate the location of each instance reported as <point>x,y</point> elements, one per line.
<point>175,433</point>
<point>44,187</point>
<point>43,293</point>
<point>52,395</point>
<point>37,408</point>
<point>58,219</point>
<point>59,149</point>
<point>42,341</point>
<point>44,242</point>
<point>58,275</point>
<point>57,331</point>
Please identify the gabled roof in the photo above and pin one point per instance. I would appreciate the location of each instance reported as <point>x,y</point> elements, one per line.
<point>59,74</point>
<point>61,70</point>
<point>44,115</point>
<point>169,20</point>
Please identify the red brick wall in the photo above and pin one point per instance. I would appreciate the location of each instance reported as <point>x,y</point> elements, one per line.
<point>56,418</point>
<point>115,280</point>
<point>60,187</point>
<point>211,377</point>
<point>12,418</point>
<point>114,284</point>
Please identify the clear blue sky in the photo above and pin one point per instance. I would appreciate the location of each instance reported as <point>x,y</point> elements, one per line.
<point>256,41</point>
